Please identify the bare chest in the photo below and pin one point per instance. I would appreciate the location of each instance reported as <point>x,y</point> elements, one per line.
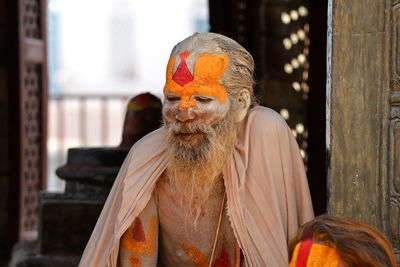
<point>184,242</point>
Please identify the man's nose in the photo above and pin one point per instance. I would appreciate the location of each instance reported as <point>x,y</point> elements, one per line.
<point>185,115</point>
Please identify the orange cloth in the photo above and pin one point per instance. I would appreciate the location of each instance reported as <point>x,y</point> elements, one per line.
<point>267,192</point>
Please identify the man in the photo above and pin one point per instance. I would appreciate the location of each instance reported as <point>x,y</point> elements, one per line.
<point>218,185</point>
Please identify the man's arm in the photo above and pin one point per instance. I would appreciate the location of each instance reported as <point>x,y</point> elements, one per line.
<point>139,244</point>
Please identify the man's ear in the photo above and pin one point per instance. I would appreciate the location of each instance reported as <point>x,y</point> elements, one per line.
<point>244,102</point>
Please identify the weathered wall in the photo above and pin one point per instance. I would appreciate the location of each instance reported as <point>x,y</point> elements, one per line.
<point>364,91</point>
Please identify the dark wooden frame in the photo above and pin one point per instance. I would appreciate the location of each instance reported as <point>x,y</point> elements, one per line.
<point>21,51</point>
<point>316,110</point>
<point>224,18</point>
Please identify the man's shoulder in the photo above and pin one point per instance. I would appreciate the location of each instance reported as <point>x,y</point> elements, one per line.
<point>265,118</point>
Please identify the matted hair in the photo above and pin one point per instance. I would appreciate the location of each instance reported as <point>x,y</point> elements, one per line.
<point>357,244</point>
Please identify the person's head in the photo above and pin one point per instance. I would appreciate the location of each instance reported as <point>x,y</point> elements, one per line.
<point>211,65</point>
<point>208,90</point>
<point>143,115</point>
<point>332,241</point>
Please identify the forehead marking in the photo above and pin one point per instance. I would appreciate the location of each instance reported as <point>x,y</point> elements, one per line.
<point>208,70</point>
<point>182,75</point>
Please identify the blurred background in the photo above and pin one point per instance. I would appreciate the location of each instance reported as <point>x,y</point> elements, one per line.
<point>100,54</point>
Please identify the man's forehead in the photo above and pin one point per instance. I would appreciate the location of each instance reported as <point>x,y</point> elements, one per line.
<point>204,79</point>
<point>191,58</point>
<point>196,45</point>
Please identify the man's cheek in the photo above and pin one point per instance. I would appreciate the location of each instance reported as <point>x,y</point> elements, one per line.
<point>212,114</point>
<point>169,113</point>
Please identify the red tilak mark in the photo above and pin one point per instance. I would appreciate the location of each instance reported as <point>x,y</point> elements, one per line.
<point>137,231</point>
<point>223,259</point>
<point>303,254</point>
<point>184,55</point>
<point>182,75</point>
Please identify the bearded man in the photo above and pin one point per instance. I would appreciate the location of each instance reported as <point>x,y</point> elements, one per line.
<point>219,184</point>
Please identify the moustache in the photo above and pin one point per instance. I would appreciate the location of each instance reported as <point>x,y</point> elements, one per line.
<point>179,128</point>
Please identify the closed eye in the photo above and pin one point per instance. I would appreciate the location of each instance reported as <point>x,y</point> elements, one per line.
<point>203,99</point>
<point>173,98</point>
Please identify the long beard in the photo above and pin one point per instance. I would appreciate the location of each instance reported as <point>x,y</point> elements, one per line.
<point>195,168</point>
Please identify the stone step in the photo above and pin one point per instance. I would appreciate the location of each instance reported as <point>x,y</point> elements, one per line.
<point>25,254</point>
<point>65,225</point>
<point>90,172</point>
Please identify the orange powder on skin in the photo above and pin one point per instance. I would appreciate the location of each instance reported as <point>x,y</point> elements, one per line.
<point>295,255</point>
<point>138,248</point>
<point>200,260</point>
<point>208,70</point>
<point>194,254</point>
<point>320,256</point>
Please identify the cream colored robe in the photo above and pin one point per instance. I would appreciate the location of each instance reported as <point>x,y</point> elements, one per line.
<point>267,192</point>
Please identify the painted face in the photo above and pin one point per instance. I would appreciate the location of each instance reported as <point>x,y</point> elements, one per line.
<point>197,98</point>
<point>315,253</point>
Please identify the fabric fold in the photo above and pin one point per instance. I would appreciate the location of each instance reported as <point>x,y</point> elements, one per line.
<point>267,192</point>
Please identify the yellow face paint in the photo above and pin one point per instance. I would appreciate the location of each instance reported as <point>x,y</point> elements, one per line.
<point>318,255</point>
<point>323,256</point>
<point>208,71</point>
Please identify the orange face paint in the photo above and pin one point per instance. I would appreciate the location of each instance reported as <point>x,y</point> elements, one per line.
<point>310,254</point>
<point>208,70</point>
<point>134,241</point>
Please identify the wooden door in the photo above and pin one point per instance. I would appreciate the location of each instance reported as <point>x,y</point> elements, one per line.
<point>364,113</point>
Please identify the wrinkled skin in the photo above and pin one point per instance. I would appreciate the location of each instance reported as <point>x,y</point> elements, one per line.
<point>207,111</point>
<point>182,244</point>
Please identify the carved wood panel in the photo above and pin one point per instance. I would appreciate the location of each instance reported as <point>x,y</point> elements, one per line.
<point>394,131</point>
<point>395,176</point>
<point>395,40</point>
<point>32,176</point>
<point>32,16</point>
<point>32,109</point>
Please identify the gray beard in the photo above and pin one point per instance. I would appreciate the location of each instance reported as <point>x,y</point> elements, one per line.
<point>193,170</point>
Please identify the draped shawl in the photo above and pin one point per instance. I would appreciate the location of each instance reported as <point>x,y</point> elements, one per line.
<point>267,192</point>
